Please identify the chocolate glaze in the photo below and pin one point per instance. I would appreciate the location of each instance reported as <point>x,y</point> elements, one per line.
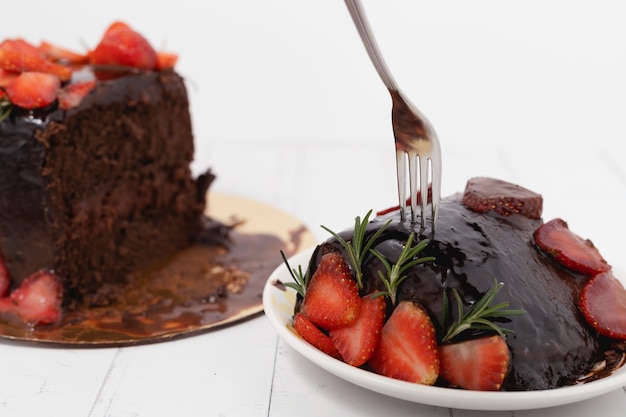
<point>552,345</point>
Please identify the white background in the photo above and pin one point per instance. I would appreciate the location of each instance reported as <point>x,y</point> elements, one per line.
<point>288,110</point>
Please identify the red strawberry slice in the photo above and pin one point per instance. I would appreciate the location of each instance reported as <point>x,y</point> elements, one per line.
<point>165,60</point>
<point>477,364</point>
<point>6,77</point>
<point>121,45</point>
<point>62,55</point>
<point>5,280</point>
<point>18,55</point>
<point>484,194</point>
<point>37,300</point>
<point>357,341</point>
<point>72,94</point>
<point>31,90</point>
<point>407,349</point>
<point>568,249</point>
<point>332,298</point>
<point>603,303</point>
<point>312,334</point>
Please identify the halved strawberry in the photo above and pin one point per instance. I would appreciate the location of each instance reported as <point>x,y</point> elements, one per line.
<point>72,94</point>
<point>121,45</point>
<point>332,298</point>
<point>5,280</point>
<point>165,60</point>
<point>483,194</point>
<point>478,364</point>
<point>568,249</point>
<point>6,77</point>
<point>31,90</point>
<point>357,341</point>
<point>407,348</point>
<point>62,55</point>
<point>603,303</point>
<point>312,334</point>
<point>37,300</point>
<point>18,55</point>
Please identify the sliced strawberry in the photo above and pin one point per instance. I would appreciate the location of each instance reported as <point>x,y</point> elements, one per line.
<point>72,94</point>
<point>6,77</point>
<point>357,341</point>
<point>477,364</point>
<point>19,56</point>
<point>121,45</point>
<point>19,46</point>
<point>568,249</point>
<point>408,201</point>
<point>603,303</point>
<point>31,90</point>
<point>61,55</point>
<point>5,279</point>
<point>407,349</point>
<point>332,298</point>
<point>37,300</point>
<point>165,60</point>
<point>484,194</point>
<point>312,334</point>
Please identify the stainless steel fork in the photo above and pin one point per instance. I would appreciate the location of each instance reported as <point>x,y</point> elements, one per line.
<point>415,137</point>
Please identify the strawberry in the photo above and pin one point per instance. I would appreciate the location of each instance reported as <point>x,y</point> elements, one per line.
<point>121,45</point>
<point>477,364</point>
<point>37,300</point>
<point>603,303</point>
<point>568,249</point>
<point>6,77</point>
<point>407,348</point>
<point>408,201</point>
<point>31,90</point>
<point>165,60</point>
<point>72,94</point>
<point>18,55</point>
<point>5,280</point>
<point>357,341</point>
<point>312,334</point>
<point>484,194</point>
<point>61,55</point>
<point>332,298</point>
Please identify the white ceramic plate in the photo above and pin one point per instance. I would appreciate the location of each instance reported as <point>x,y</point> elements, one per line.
<point>278,305</point>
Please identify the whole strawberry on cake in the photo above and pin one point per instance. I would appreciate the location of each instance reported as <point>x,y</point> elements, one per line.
<point>495,299</point>
<point>95,180</point>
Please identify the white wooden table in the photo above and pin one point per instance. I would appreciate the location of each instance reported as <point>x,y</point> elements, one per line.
<point>285,102</point>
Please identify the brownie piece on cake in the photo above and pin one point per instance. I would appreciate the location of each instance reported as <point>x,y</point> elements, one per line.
<point>99,187</point>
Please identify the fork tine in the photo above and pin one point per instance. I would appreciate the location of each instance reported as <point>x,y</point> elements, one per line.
<point>413,175</point>
<point>423,162</point>
<point>401,174</point>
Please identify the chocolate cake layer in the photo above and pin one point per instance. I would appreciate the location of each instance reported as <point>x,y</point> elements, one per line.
<point>101,189</point>
<point>552,344</point>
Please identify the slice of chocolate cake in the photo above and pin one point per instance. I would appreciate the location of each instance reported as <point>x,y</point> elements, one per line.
<point>95,183</point>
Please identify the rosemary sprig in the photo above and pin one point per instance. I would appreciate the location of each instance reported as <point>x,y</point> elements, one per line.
<point>301,281</point>
<point>358,248</point>
<point>396,273</point>
<point>478,315</point>
<point>5,106</point>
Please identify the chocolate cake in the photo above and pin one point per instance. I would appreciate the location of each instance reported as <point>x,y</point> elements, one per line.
<point>99,187</point>
<point>552,343</point>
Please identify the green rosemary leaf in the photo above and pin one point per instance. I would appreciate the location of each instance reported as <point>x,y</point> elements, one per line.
<point>300,283</point>
<point>476,317</point>
<point>358,248</point>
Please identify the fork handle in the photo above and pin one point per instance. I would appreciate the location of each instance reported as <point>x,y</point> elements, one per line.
<point>365,32</point>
